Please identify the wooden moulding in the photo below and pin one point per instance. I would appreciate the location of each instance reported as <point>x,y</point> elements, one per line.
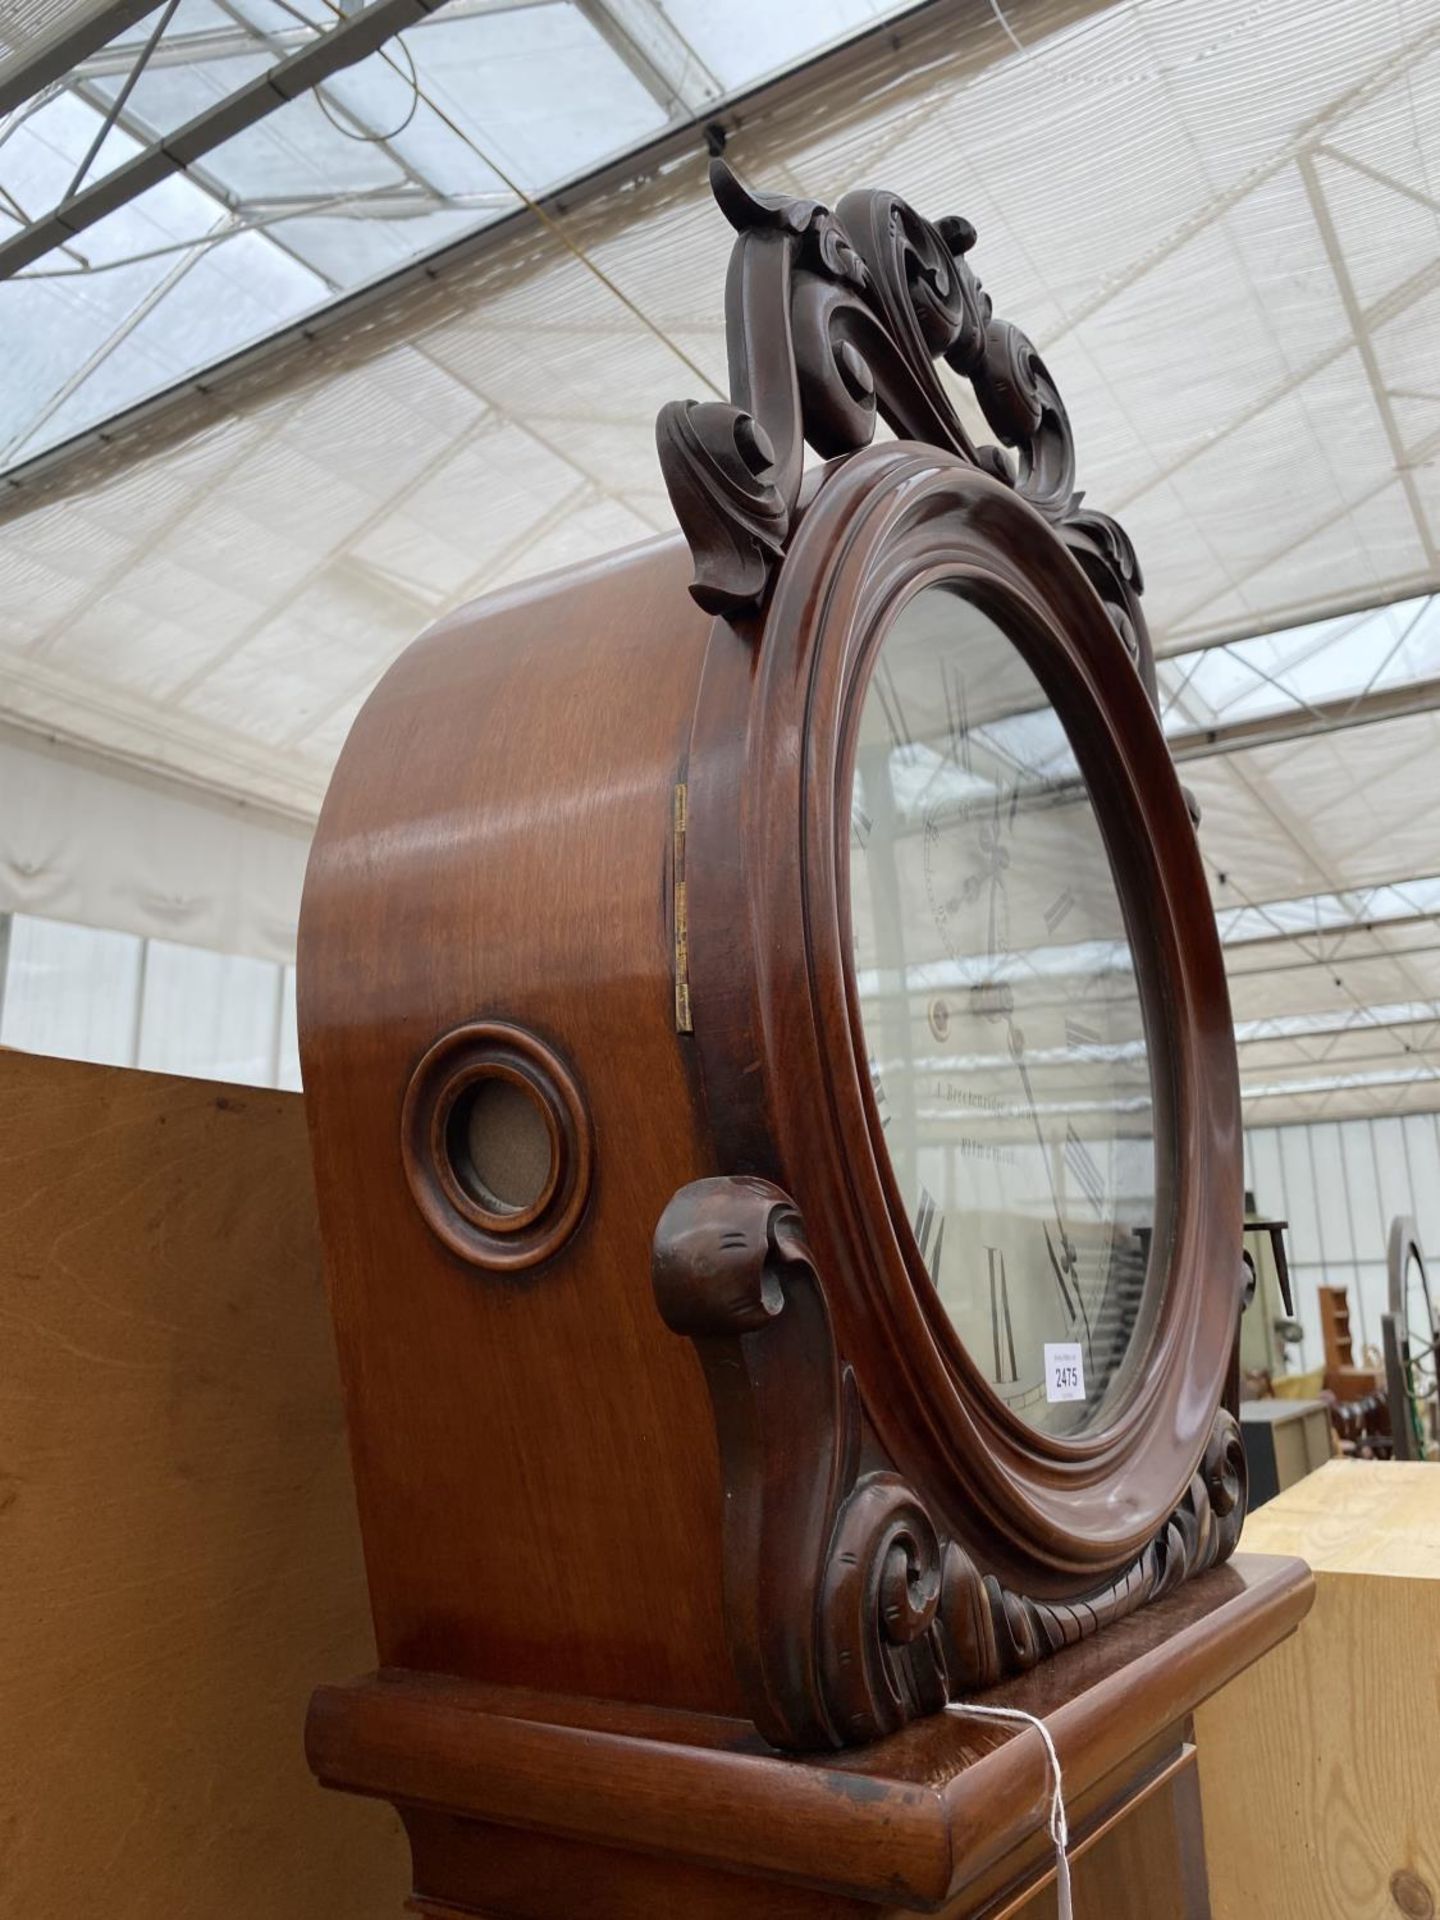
<point>849,1612</point>
<point>894,1535</point>
<point>905,1824</point>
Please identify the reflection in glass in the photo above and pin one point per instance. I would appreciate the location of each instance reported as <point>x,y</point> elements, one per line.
<point>1002,1014</point>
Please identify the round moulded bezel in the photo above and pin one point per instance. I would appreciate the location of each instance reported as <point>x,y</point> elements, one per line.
<point>780,1036</point>
<point>502,1239</point>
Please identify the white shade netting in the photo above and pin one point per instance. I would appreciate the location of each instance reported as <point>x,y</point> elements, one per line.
<point>1219,223</point>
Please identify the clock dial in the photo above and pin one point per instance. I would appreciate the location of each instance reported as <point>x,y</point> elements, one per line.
<point>1002,1015</point>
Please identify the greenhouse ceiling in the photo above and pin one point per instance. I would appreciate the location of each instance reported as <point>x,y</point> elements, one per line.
<point>294,366</point>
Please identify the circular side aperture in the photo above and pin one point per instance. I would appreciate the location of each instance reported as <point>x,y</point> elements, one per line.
<point>497,1146</point>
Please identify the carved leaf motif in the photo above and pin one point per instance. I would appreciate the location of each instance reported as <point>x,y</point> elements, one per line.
<point>718,465</point>
<point>882,1662</point>
<point>835,320</point>
<point>848,1612</point>
<point>831,1579</point>
<point>808,220</point>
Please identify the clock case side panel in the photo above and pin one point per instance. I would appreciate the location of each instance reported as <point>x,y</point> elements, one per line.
<point>535,1462</point>
<point>999,1571</point>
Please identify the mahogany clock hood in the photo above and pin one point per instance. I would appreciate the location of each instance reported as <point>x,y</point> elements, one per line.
<point>659,1409</point>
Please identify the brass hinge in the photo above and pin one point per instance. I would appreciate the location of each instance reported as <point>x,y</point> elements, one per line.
<point>682,917</point>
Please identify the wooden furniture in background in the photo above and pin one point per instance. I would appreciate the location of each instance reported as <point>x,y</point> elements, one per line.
<point>1342,1377</point>
<point>1284,1440</point>
<point>1359,1409</point>
<point>1319,1767</point>
<point>178,1551</point>
<point>1298,1386</point>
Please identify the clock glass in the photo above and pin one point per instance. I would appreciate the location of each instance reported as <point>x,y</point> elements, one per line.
<point>1002,1015</point>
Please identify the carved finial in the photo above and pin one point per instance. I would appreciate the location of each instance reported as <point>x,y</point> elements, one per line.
<point>836,319</point>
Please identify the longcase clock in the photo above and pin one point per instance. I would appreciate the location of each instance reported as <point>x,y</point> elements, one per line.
<point>777,1136</point>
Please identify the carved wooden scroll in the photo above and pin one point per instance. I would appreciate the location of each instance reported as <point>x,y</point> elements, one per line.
<point>848,1611</point>
<point>832,321</point>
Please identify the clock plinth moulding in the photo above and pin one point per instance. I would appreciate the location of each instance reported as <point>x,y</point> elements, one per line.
<point>679,1496</point>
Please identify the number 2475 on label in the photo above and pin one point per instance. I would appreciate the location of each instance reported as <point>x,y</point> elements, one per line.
<point>1064,1371</point>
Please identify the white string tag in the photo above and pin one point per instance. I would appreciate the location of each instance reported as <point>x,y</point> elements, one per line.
<point>1059,1828</point>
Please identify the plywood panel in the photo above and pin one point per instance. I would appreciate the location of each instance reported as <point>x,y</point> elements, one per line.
<point>1319,1766</point>
<point>179,1561</point>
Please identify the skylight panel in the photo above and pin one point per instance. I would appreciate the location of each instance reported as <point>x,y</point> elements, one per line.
<point>443,130</point>
<point>536,90</point>
<point>191,16</point>
<point>747,38</point>
<point>1302,667</point>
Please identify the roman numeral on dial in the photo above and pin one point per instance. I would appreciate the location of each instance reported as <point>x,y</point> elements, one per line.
<point>1057,909</point>
<point>1005,1372</point>
<point>1081,1163</point>
<point>929,1224</point>
<point>1080,1038</point>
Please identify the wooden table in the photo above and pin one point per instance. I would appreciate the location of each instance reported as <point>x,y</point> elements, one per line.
<point>1320,1766</point>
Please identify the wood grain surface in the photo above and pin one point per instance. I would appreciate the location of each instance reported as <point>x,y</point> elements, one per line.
<point>1320,1766</point>
<point>535,1463</point>
<point>178,1549</point>
<point>514,1796</point>
<point>1135,1867</point>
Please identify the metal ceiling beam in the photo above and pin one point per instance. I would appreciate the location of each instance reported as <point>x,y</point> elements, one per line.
<point>1296,937</point>
<point>1325,1083</point>
<point>54,55</point>
<point>405,201</point>
<point>659,56</point>
<point>1327,962</point>
<point>1354,313</point>
<point>114,108</point>
<point>1359,1024</point>
<point>1380,312</point>
<point>1323,716</point>
<point>190,50</point>
<point>1300,613</point>
<point>135,318</point>
<point>924,35</point>
<point>1399,1049</point>
<point>231,43</point>
<point>1343,106</point>
<point>346,44</point>
<point>1388,1069</point>
<point>336,108</point>
<point>1419,453</point>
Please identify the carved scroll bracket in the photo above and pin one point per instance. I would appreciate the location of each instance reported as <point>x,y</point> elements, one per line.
<point>835,320</point>
<point>848,1611</point>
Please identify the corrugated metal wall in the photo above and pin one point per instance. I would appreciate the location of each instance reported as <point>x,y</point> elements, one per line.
<point>1339,1184</point>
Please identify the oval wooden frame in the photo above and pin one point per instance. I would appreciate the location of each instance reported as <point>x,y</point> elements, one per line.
<point>777,1022</point>
<point>485,1236</point>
